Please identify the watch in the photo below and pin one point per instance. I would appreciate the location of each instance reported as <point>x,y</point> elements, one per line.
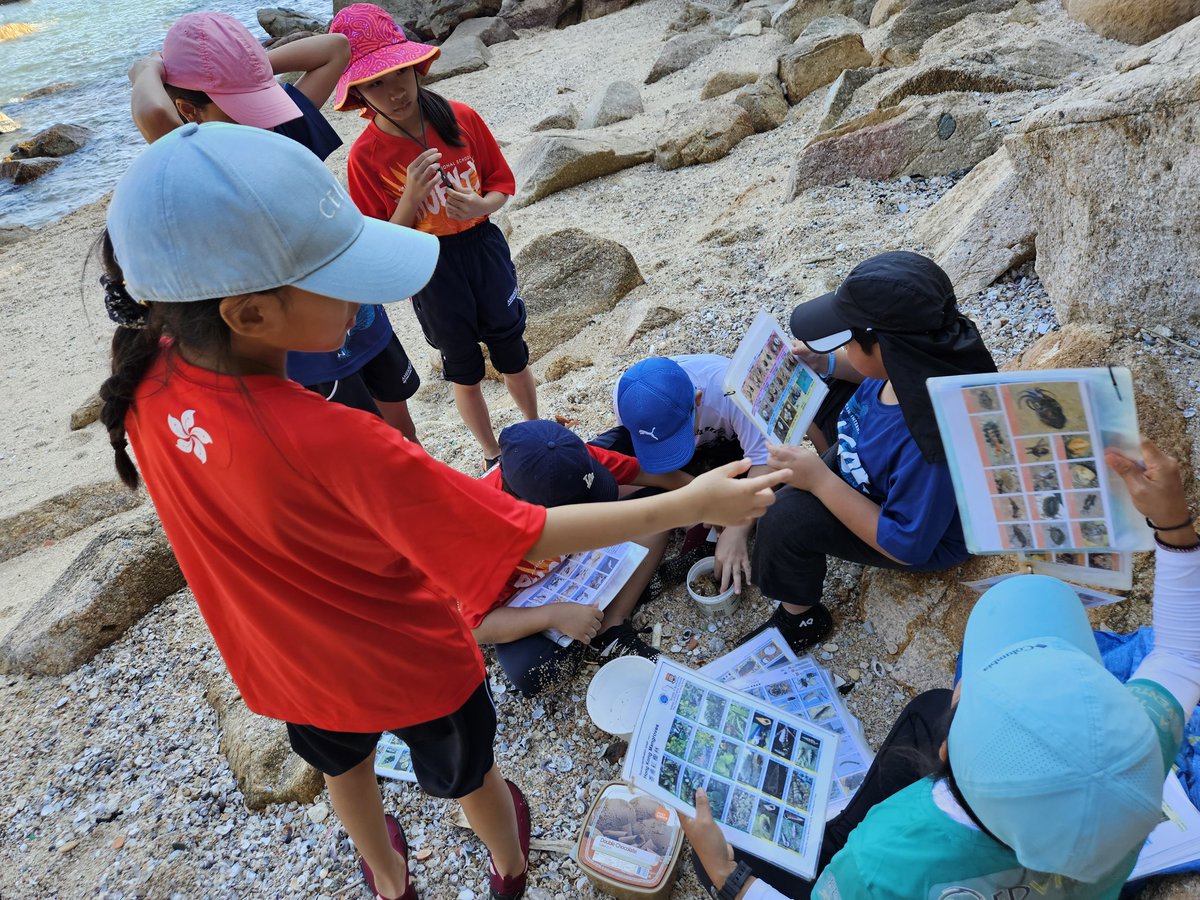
<point>734,883</point>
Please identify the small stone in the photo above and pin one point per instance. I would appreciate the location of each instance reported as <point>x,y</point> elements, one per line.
<point>118,842</point>
<point>826,655</point>
<point>466,894</point>
<point>1190,412</point>
<point>423,854</point>
<point>676,648</point>
<point>712,627</point>
<point>68,846</point>
<point>318,813</point>
<point>832,648</point>
<point>855,674</point>
<point>693,644</point>
<point>716,645</point>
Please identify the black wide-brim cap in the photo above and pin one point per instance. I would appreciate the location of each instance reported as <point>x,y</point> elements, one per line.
<point>899,292</point>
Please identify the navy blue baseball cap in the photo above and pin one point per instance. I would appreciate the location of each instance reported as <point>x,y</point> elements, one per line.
<point>544,463</point>
<point>656,401</point>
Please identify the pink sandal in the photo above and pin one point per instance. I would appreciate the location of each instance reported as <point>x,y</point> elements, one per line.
<point>396,836</point>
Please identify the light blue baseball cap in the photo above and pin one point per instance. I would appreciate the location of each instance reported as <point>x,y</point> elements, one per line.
<point>220,210</point>
<point>1053,753</point>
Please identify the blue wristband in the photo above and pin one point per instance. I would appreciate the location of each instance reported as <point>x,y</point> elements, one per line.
<point>832,364</point>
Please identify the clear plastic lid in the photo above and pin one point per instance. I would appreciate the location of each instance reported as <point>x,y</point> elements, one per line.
<point>630,837</point>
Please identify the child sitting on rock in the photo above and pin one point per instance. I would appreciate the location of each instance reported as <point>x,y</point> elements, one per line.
<point>542,462</point>
<point>674,414</point>
<point>882,495</point>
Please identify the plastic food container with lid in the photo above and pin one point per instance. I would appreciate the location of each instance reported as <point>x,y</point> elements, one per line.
<point>630,843</point>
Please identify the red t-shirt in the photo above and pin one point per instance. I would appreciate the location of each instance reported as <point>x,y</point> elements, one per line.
<point>378,170</point>
<point>324,550</point>
<point>624,469</point>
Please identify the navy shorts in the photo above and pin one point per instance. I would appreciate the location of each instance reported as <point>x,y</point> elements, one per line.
<point>472,299</point>
<point>450,755</point>
<point>388,377</point>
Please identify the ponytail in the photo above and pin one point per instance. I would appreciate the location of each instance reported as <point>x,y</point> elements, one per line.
<point>438,113</point>
<point>136,344</point>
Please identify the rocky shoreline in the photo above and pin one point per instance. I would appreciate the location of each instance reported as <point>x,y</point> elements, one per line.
<point>662,231</point>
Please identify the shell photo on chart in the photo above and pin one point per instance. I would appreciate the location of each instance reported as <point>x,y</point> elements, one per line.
<point>1046,408</point>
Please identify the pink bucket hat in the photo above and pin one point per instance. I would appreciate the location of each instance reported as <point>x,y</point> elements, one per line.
<point>377,46</point>
<point>213,52</point>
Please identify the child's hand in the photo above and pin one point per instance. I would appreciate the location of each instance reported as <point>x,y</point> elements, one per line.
<point>805,465</point>
<point>1157,488</point>
<point>152,64</point>
<point>817,361</point>
<point>463,205</point>
<point>576,620</point>
<point>732,561</point>
<point>724,499</point>
<point>423,173</point>
<point>716,856</point>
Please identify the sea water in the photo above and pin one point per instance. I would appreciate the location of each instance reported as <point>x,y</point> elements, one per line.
<point>90,44</point>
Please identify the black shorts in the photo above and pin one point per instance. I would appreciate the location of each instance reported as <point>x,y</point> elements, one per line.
<point>450,755</point>
<point>471,299</point>
<point>388,377</point>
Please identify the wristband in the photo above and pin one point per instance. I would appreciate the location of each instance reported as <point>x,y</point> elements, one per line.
<point>734,883</point>
<point>1184,524</point>
<point>832,364</point>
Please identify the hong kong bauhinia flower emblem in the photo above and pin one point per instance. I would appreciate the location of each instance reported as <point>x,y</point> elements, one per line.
<point>191,438</point>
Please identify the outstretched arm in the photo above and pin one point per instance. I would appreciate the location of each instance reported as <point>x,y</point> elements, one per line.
<point>153,112</point>
<point>322,58</point>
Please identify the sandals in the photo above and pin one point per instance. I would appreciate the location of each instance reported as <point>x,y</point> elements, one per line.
<point>396,835</point>
<point>512,887</point>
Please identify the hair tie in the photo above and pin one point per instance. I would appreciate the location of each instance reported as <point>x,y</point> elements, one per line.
<point>122,308</point>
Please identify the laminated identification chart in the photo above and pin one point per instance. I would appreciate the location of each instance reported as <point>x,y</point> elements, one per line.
<point>1089,597</point>
<point>767,772</point>
<point>805,689</point>
<point>772,385</point>
<point>761,653</point>
<point>591,578</point>
<point>393,759</point>
<point>1105,568</point>
<point>1026,452</point>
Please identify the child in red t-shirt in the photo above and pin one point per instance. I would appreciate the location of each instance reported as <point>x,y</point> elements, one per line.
<point>324,550</point>
<point>544,463</point>
<point>433,165</point>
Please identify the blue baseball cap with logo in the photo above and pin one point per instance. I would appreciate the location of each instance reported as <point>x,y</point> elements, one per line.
<point>656,401</point>
<point>1053,754</point>
<point>544,463</point>
<point>220,210</point>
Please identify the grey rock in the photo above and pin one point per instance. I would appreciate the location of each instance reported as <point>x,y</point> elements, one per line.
<point>900,39</point>
<point>64,515</point>
<point>748,28</point>
<point>830,25</point>
<point>13,234</point>
<point>841,93</point>
<point>489,29</point>
<point>1133,23</point>
<point>765,103</point>
<point>459,56</point>
<point>121,575</point>
<point>619,101</point>
<point>723,82</point>
<point>549,163</point>
<point>794,16</point>
<point>680,52</point>
<point>567,277</point>
<point>691,16</point>
<point>55,141</point>
<point>702,133</point>
<point>279,21</point>
<point>564,116</point>
<point>542,13</point>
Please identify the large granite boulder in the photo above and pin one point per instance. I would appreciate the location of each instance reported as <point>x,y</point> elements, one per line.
<point>567,277</point>
<point>1111,173</point>
<point>981,228</point>
<point>61,516</point>
<point>1132,22</point>
<point>765,102</point>
<point>431,19</point>
<point>618,101</point>
<point>900,38</point>
<point>702,133</point>
<point>934,136</point>
<point>549,163</point>
<point>280,21</point>
<point>459,56</point>
<point>793,17</point>
<point>121,575</point>
<point>817,60</point>
<point>489,29</point>
<point>680,52</point>
<point>23,171</point>
<point>542,13</point>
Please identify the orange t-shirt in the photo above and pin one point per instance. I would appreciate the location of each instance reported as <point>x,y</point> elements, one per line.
<point>326,552</point>
<point>377,171</point>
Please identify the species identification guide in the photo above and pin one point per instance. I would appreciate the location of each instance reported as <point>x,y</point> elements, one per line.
<point>771,385</point>
<point>806,689</point>
<point>763,652</point>
<point>767,772</point>
<point>592,578</point>
<point>1026,454</point>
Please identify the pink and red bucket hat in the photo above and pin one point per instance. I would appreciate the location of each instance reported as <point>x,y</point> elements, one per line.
<point>215,53</point>
<point>377,46</point>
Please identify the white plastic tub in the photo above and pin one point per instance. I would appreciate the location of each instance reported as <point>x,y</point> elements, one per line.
<point>713,607</point>
<point>617,692</point>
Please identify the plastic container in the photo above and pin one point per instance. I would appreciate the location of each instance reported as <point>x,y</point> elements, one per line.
<point>617,692</point>
<point>629,845</point>
<point>713,607</point>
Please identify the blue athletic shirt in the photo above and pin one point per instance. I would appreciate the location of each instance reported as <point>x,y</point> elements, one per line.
<point>877,455</point>
<point>372,331</point>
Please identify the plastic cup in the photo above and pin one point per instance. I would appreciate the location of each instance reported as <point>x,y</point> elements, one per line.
<point>714,607</point>
<point>617,692</point>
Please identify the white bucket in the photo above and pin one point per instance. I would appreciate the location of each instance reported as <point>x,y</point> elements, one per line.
<point>714,607</point>
<point>617,693</point>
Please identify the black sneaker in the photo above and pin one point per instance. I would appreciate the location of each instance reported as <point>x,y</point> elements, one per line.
<point>801,630</point>
<point>622,640</point>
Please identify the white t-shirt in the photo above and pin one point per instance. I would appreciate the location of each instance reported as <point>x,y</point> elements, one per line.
<point>717,418</point>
